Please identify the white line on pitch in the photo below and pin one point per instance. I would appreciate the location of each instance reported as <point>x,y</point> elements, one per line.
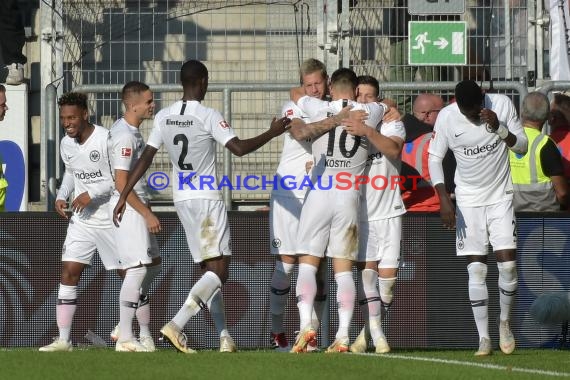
<point>471,364</point>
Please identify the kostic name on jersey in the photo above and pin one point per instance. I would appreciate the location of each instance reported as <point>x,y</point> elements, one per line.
<point>332,163</point>
<point>86,175</point>
<point>180,123</point>
<point>468,151</point>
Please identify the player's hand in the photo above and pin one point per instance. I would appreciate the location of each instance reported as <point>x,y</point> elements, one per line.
<point>119,211</point>
<point>152,222</point>
<point>296,93</point>
<point>61,207</point>
<point>356,128</point>
<point>447,212</point>
<point>279,126</point>
<point>80,202</point>
<point>392,115</point>
<point>490,117</point>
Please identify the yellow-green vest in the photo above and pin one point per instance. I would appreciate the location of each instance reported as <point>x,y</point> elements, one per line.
<point>533,190</point>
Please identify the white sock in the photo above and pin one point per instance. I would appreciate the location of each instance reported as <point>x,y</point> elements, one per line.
<point>345,294</point>
<point>65,310</point>
<point>200,293</point>
<point>143,315</point>
<point>143,310</point>
<point>217,312</point>
<point>129,301</point>
<point>479,297</point>
<point>280,288</point>
<point>386,290</point>
<point>508,284</point>
<point>306,290</point>
<point>370,303</point>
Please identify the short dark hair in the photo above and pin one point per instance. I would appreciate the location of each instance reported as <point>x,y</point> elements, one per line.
<point>78,99</point>
<point>344,77</point>
<point>468,94</point>
<point>192,72</point>
<point>371,81</point>
<point>2,88</point>
<point>133,87</point>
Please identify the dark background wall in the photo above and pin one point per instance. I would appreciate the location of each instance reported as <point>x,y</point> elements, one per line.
<point>431,307</point>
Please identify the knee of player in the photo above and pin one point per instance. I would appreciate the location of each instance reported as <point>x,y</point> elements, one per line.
<point>507,270</point>
<point>477,272</point>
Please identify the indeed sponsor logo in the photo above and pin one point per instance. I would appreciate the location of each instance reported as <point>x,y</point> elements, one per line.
<point>340,181</point>
<point>472,151</point>
<point>86,175</point>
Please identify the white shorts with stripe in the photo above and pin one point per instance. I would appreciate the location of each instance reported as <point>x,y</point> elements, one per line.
<point>206,225</point>
<point>380,240</point>
<point>135,244</point>
<point>476,227</point>
<point>284,215</point>
<point>329,222</point>
<point>81,242</point>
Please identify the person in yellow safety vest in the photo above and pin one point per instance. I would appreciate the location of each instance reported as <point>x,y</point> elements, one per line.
<point>538,176</point>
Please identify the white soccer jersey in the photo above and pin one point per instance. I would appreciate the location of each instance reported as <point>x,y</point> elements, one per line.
<point>189,132</point>
<point>88,164</point>
<point>483,174</point>
<point>294,156</point>
<point>382,196</point>
<point>336,151</point>
<point>126,147</point>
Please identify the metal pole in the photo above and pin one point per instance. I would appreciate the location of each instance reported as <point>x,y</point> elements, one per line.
<point>50,125</point>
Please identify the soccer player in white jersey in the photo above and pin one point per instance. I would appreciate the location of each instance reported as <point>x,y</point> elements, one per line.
<point>189,131</point>
<point>380,221</point>
<point>136,243</point>
<point>286,204</point>
<point>329,218</point>
<point>479,128</point>
<point>84,153</point>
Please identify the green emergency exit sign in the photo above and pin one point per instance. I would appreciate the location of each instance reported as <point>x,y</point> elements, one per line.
<point>437,43</point>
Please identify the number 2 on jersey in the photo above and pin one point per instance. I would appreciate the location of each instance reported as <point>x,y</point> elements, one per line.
<point>182,138</point>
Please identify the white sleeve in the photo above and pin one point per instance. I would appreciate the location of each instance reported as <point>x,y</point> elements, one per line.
<point>515,127</point>
<point>67,186</point>
<point>435,167</point>
<point>393,129</point>
<point>155,138</point>
<point>438,145</point>
<point>123,147</point>
<point>219,128</point>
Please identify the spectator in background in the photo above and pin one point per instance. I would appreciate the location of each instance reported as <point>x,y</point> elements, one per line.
<point>560,122</point>
<point>419,195</point>
<point>538,176</point>
<point>12,38</point>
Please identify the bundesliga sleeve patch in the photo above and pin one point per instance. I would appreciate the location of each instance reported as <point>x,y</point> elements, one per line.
<point>289,112</point>
<point>224,124</point>
<point>126,152</point>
